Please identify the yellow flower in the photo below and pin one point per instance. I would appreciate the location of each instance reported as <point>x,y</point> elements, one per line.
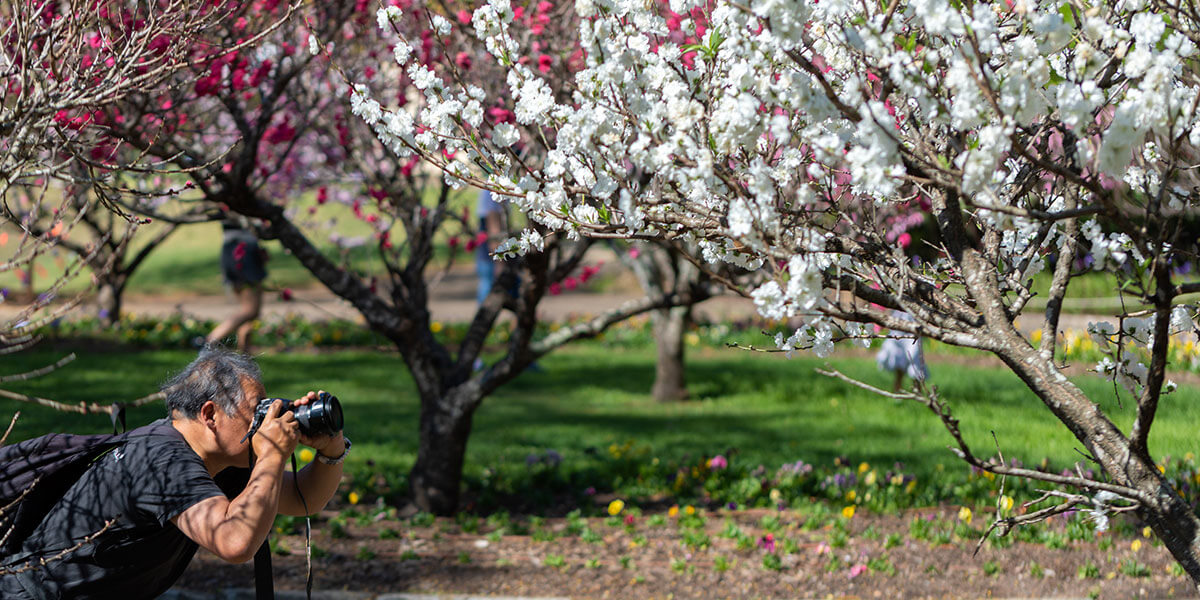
<point>673,511</point>
<point>775,495</point>
<point>848,512</point>
<point>692,339</point>
<point>1161,468</point>
<point>306,455</point>
<point>897,479</point>
<point>353,497</point>
<point>863,467</point>
<point>1146,532</point>
<point>615,507</point>
<point>851,495</point>
<point>689,510</point>
<point>964,515</point>
<point>1006,503</point>
<point>912,485</point>
<point>869,480</point>
<point>1036,336</point>
<point>1189,456</point>
<point>436,326</point>
<point>1136,545</point>
<point>989,475</point>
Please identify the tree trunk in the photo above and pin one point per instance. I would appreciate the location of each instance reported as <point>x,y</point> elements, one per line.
<point>1169,516</point>
<point>436,476</point>
<point>670,383</point>
<point>108,300</point>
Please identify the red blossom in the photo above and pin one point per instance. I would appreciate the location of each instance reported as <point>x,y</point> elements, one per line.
<point>463,61</point>
<point>281,133</point>
<point>555,289</point>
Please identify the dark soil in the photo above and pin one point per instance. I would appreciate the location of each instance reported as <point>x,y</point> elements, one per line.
<point>649,561</point>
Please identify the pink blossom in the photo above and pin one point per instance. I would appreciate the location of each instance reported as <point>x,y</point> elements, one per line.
<point>634,253</point>
<point>904,240</point>
<point>464,17</point>
<point>717,463</point>
<point>767,542</point>
<point>555,289</point>
<point>857,570</point>
<point>285,294</point>
<point>544,63</point>
<point>570,283</point>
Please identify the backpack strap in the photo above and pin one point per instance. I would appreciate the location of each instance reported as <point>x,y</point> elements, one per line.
<point>117,413</point>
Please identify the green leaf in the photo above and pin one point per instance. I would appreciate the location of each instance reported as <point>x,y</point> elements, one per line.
<point>1068,15</point>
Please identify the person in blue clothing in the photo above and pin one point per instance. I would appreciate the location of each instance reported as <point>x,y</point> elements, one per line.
<point>492,217</point>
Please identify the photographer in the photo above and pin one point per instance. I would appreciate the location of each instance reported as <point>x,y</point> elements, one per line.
<point>130,525</point>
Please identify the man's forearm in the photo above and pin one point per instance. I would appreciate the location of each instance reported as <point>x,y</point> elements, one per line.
<point>253,511</point>
<point>317,482</point>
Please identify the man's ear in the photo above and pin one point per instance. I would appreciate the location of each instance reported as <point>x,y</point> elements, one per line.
<point>208,412</point>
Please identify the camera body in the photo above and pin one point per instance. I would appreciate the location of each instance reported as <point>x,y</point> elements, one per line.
<point>322,416</point>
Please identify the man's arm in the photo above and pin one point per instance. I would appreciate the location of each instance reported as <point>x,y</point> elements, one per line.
<point>234,529</point>
<point>317,481</point>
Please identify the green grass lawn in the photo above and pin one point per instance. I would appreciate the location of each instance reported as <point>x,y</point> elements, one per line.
<point>762,409</point>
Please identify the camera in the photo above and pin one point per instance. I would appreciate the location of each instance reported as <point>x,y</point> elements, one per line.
<point>322,416</point>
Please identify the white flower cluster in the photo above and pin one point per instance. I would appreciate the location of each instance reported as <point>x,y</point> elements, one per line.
<point>770,135</point>
<point>1127,346</point>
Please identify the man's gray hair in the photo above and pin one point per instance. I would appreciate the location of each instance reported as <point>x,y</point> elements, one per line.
<point>216,374</point>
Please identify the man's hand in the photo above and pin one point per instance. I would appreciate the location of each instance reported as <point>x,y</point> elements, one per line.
<point>278,433</point>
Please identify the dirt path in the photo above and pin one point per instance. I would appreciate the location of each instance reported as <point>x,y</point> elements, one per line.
<point>452,300</point>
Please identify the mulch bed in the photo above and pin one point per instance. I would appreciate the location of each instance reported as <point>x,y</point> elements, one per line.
<point>390,555</point>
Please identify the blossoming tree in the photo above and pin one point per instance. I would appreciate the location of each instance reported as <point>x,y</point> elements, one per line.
<point>62,65</point>
<point>300,152</point>
<point>1036,133</point>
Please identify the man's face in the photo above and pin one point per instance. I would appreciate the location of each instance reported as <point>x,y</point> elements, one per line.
<point>232,428</point>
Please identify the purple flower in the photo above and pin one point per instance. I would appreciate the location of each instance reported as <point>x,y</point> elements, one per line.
<point>731,506</point>
<point>591,491</point>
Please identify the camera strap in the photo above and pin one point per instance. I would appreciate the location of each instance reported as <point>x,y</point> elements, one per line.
<point>307,530</point>
<point>264,582</point>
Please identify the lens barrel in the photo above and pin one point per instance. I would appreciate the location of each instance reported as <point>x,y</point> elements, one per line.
<point>322,416</point>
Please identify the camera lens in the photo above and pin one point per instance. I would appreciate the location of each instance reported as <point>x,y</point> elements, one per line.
<point>325,415</point>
